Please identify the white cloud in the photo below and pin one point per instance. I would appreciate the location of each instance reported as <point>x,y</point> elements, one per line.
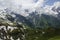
<point>48,8</point>
<point>39,3</point>
<point>56,4</point>
<point>29,3</point>
<point>19,5</point>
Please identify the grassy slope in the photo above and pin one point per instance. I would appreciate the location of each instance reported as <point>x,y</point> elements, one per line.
<point>55,38</point>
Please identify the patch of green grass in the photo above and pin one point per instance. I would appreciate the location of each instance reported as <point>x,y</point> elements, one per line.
<point>55,38</point>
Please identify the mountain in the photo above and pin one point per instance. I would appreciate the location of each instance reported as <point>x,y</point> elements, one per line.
<point>34,19</point>
<point>50,21</point>
<point>45,20</point>
<point>6,16</point>
<point>20,18</point>
<point>57,10</point>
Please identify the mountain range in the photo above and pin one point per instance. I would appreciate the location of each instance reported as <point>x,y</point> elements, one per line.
<point>34,19</point>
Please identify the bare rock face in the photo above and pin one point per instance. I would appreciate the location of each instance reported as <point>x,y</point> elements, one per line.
<point>58,10</point>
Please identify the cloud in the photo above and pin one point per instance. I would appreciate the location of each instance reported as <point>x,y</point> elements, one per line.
<point>51,9</point>
<point>23,3</point>
<point>20,5</point>
<point>56,6</point>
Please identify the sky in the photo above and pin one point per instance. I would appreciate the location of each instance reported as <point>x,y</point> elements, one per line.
<point>19,6</point>
<point>51,2</point>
